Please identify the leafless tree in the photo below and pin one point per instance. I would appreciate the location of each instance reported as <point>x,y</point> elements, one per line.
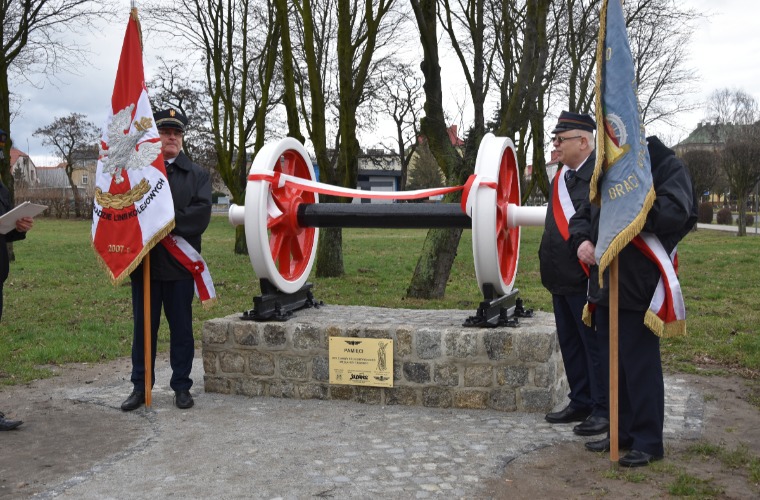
<point>34,47</point>
<point>236,43</point>
<point>68,136</point>
<point>174,87</point>
<point>439,249</point>
<point>704,167</point>
<point>400,97</point>
<point>337,47</point>
<point>740,160</point>
<point>658,32</point>
<point>737,112</point>
<point>732,106</point>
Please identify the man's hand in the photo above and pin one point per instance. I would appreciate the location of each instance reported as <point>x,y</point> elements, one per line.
<point>24,224</point>
<point>586,253</point>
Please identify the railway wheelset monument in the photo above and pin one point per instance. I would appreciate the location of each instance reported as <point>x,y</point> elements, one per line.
<point>378,355</point>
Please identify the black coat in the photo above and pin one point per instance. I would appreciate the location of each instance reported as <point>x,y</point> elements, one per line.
<point>13,235</point>
<point>191,193</point>
<point>561,272</point>
<point>672,216</point>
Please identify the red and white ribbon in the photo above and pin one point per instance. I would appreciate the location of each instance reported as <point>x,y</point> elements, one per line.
<point>668,302</point>
<point>280,180</point>
<point>563,209</point>
<point>193,262</point>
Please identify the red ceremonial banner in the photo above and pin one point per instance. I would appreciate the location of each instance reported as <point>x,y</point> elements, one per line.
<point>133,208</point>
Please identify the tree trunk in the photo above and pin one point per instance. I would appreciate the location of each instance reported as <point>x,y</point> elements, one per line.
<point>330,252</point>
<point>434,265</point>
<point>742,217</point>
<point>5,124</point>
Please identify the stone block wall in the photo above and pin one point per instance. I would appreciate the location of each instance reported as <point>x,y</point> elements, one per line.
<point>436,361</point>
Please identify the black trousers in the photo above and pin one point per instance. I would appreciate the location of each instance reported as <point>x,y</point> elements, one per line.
<point>580,355</point>
<point>641,390</point>
<point>176,299</point>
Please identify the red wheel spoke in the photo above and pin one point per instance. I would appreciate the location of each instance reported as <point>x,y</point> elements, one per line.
<point>296,248</point>
<point>505,188</point>
<point>275,221</point>
<point>283,257</point>
<point>275,243</point>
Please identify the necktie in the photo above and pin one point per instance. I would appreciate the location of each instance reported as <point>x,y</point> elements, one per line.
<point>569,175</point>
<point>168,167</point>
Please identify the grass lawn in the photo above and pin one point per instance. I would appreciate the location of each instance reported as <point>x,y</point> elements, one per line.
<point>60,306</point>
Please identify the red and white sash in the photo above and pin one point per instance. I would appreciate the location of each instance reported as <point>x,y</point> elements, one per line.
<point>193,262</point>
<point>562,208</point>
<point>666,316</point>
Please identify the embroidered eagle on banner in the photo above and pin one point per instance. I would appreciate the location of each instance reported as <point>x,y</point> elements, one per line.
<point>124,150</point>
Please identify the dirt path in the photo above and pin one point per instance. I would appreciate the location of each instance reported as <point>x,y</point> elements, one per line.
<point>40,453</point>
<point>731,423</point>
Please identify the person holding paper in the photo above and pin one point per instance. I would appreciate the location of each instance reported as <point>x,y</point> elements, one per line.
<point>23,225</point>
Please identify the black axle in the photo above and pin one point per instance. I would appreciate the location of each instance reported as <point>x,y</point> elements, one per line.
<point>383,215</point>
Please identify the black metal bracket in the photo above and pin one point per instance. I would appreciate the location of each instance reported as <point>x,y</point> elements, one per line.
<point>498,310</point>
<point>274,305</point>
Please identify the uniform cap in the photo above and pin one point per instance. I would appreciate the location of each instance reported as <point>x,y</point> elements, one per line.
<point>574,121</point>
<point>170,118</point>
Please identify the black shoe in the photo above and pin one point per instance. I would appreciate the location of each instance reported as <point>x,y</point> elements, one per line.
<point>603,445</point>
<point>183,399</point>
<point>569,414</point>
<point>134,401</point>
<point>8,425</point>
<point>592,426</point>
<point>636,458</point>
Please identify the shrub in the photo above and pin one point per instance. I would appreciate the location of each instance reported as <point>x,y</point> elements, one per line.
<point>705,215</point>
<point>724,216</point>
<point>749,220</point>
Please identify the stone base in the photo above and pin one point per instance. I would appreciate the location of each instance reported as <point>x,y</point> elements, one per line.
<point>436,361</point>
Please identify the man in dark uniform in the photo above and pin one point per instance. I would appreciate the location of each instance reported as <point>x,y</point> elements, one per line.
<point>641,386</point>
<point>23,225</point>
<point>567,279</point>
<point>172,286</point>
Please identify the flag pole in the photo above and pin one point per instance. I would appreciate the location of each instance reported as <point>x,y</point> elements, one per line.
<point>147,332</point>
<point>613,397</point>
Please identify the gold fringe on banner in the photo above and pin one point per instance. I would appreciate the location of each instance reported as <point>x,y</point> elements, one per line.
<point>594,195</point>
<point>587,315</point>
<point>665,330</point>
<point>115,280</point>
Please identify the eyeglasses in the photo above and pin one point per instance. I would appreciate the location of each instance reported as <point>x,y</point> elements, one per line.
<point>563,139</point>
<point>170,132</point>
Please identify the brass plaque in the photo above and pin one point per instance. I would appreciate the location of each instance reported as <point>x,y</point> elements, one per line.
<point>367,362</point>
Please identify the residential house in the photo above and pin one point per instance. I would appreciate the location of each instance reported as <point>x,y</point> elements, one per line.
<point>706,137</point>
<point>378,171</point>
<point>23,169</point>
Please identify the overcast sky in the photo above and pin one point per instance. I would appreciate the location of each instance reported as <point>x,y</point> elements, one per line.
<point>724,52</point>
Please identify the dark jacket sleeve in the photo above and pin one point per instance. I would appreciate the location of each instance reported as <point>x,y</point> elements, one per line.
<point>674,211</point>
<point>192,219</point>
<point>671,217</point>
<point>14,235</point>
<point>580,225</point>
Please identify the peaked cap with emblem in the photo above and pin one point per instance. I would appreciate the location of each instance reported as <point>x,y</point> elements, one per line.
<point>574,121</point>
<point>170,118</point>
